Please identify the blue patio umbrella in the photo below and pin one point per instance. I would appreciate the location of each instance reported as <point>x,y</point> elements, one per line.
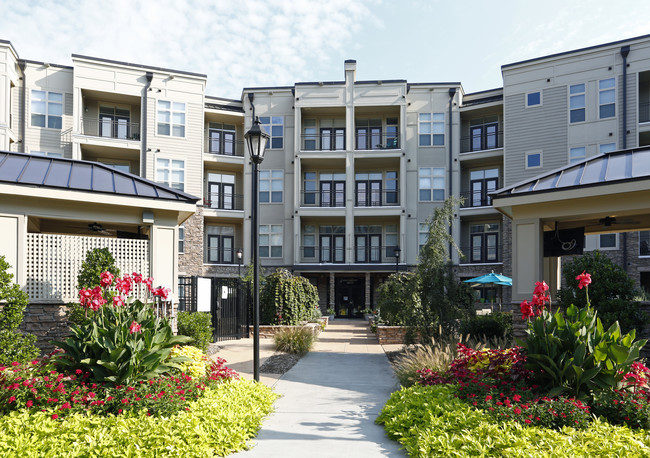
<point>490,279</point>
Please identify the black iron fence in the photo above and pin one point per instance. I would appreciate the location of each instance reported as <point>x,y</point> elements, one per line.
<point>110,128</point>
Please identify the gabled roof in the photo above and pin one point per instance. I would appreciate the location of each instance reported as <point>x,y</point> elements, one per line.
<point>75,175</point>
<point>615,167</point>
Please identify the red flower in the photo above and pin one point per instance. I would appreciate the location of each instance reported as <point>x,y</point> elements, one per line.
<point>106,279</point>
<point>540,288</point>
<point>526,310</point>
<point>29,403</point>
<point>118,301</point>
<point>584,278</point>
<point>55,416</point>
<point>162,292</point>
<point>135,327</point>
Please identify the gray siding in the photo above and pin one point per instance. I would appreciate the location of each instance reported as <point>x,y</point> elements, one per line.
<point>632,104</point>
<point>533,129</point>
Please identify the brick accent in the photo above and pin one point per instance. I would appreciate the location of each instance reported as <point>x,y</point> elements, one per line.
<point>389,335</point>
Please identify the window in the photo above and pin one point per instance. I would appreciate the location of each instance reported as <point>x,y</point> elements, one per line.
<point>432,183</point>
<point>270,241</point>
<point>309,241</point>
<point>482,183</point>
<point>181,238</point>
<point>608,241</point>
<point>171,118</point>
<point>220,243</point>
<point>367,243</point>
<point>48,154</point>
<point>601,242</point>
<point>309,134</point>
<point>309,188</point>
<point>484,136</point>
<point>221,192</point>
<point>607,148</point>
<point>271,184</point>
<point>484,243</point>
<point>423,235</point>
<point>533,160</point>
<point>431,129</point>
<point>121,166</point>
<point>368,134</point>
<point>607,98</point>
<point>274,126</point>
<point>47,109</point>
<point>577,103</point>
<point>332,189</point>
<point>577,154</point>
<point>644,243</point>
<point>533,99</point>
<point>392,133</point>
<point>115,122</point>
<point>222,138</point>
<point>332,244</point>
<point>392,238</point>
<point>368,189</point>
<point>332,138</point>
<point>171,172</point>
<point>391,188</point>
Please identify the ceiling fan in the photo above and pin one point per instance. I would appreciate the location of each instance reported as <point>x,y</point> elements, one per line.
<point>99,229</point>
<point>609,221</point>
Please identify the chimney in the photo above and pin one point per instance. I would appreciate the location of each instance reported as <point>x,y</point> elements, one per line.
<point>350,71</point>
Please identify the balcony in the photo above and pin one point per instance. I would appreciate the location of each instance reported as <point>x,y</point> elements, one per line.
<point>225,147</point>
<point>323,199</point>
<point>333,140</point>
<point>376,141</point>
<point>481,141</point>
<point>644,112</point>
<point>121,129</point>
<point>326,254</point>
<point>376,198</point>
<point>481,254</point>
<point>220,201</point>
<point>475,200</point>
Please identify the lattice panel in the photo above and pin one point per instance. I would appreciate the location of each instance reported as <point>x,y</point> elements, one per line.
<point>54,261</point>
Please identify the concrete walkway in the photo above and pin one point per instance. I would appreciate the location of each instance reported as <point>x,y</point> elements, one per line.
<point>330,400</point>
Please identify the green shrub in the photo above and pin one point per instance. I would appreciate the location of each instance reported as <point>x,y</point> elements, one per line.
<point>297,340</point>
<point>287,299</point>
<point>14,345</point>
<point>220,423</point>
<point>198,326</point>
<point>398,297</point>
<point>97,260</point>
<point>432,421</point>
<point>496,324</point>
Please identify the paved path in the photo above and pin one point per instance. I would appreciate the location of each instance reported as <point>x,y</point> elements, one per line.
<point>331,399</point>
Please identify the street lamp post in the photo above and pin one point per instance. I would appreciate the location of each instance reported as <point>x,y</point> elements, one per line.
<point>256,140</point>
<point>397,253</point>
<point>240,254</point>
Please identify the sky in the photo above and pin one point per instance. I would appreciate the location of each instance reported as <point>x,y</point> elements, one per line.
<point>249,43</point>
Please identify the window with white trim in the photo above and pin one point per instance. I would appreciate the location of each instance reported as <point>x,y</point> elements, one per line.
<point>533,99</point>
<point>47,109</point>
<point>601,242</point>
<point>391,240</point>
<point>431,129</point>
<point>171,118</point>
<point>432,183</point>
<point>577,154</point>
<point>271,185</point>
<point>171,172</point>
<point>46,153</point>
<point>607,148</point>
<point>533,160</point>
<point>270,241</point>
<point>274,126</point>
<point>423,235</point>
<point>220,242</point>
<point>644,243</point>
<point>607,98</point>
<point>577,103</point>
<point>181,238</point>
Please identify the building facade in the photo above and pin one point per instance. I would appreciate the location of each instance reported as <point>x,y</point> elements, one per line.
<point>353,169</point>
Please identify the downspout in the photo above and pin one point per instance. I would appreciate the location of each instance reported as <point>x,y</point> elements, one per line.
<point>143,126</point>
<point>625,50</point>
<point>23,126</point>
<point>452,93</point>
<point>251,97</point>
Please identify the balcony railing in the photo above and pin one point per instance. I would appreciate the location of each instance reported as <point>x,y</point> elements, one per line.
<point>484,142</point>
<point>644,112</point>
<point>377,198</point>
<point>384,254</point>
<point>220,255</point>
<point>479,256</point>
<point>336,142</point>
<point>376,141</point>
<point>219,201</point>
<point>475,200</point>
<point>226,148</point>
<point>110,128</point>
<point>322,198</point>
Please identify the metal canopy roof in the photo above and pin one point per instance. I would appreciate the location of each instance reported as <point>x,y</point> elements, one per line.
<point>58,173</point>
<point>613,167</point>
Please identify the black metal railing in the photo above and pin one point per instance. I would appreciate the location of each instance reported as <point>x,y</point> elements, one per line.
<point>110,128</point>
<point>186,294</point>
<point>473,143</point>
<point>376,141</point>
<point>475,199</point>
<point>334,141</point>
<point>362,254</point>
<point>376,198</point>
<point>221,255</point>
<point>225,147</point>
<point>323,198</point>
<point>644,112</point>
<point>220,201</point>
<point>480,255</point>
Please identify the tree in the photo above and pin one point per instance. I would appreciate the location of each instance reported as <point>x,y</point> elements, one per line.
<point>399,297</point>
<point>287,299</point>
<point>97,260</point>
<point>611,292</point>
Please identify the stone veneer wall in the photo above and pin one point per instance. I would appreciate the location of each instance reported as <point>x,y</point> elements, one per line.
<point>190,262</point>
<point>47,322</point>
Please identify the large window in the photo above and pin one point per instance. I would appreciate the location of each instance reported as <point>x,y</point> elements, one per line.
<point>221,191</point>
<point>392,240</point>
<point>432,183</point>
<point>271,185</point>
<point>431,129</point>
<point>309,241</point>
<point>607,98</point>
<point>270,241</point>
<point>332,138</point>
<point>115,123</point>
<point>484,136</point>
<point>332,189</point>
<point>220,244</point>
<point>274,126</point>
<point>484,243</point>
<point>577,154</point>
<point>375,189</point>
<point>644,243</point>
<point>47,109</point>
<point>482,183</point>
<point>310,135</point>
<point>171,118</point>
<point>222,138</point>
<point>577,103</point>
<point>367,241</point>
<point>601,242</point>
<point>332,244</point>
<point>171,172</point>
<point>368,134</point>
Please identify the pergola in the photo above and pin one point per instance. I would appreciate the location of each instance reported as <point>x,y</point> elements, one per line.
<point>608,193</point>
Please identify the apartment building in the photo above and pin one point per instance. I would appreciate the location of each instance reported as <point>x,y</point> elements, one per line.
<point>353,169</point>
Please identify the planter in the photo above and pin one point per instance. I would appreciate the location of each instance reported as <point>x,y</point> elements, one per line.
<point>367,316</point>
<point>391,335</point>
<point>331,317</point>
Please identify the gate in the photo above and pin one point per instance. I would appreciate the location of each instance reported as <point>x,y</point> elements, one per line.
<point>227,299</point>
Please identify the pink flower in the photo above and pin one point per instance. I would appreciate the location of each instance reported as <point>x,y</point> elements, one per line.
<point>29,403</point>
<point>162,292</point>
<point>106,279</point>
<point>118,301</point>
<point>526,309</point>
<point>54,416</point>
<point>124,285</point>
<point>135,327</point>
<point>584,278</point>
<point>137,278</point>
<point>540,288</point>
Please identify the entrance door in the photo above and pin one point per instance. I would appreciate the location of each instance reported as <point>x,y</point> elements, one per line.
<point>350,294</point>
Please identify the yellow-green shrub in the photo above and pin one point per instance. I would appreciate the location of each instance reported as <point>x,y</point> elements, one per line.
<point>198,363</point>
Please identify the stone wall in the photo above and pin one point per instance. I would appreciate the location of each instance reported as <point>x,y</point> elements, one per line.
<point>190,262</point>
<point>47,322</point>
<point>391,335</point>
